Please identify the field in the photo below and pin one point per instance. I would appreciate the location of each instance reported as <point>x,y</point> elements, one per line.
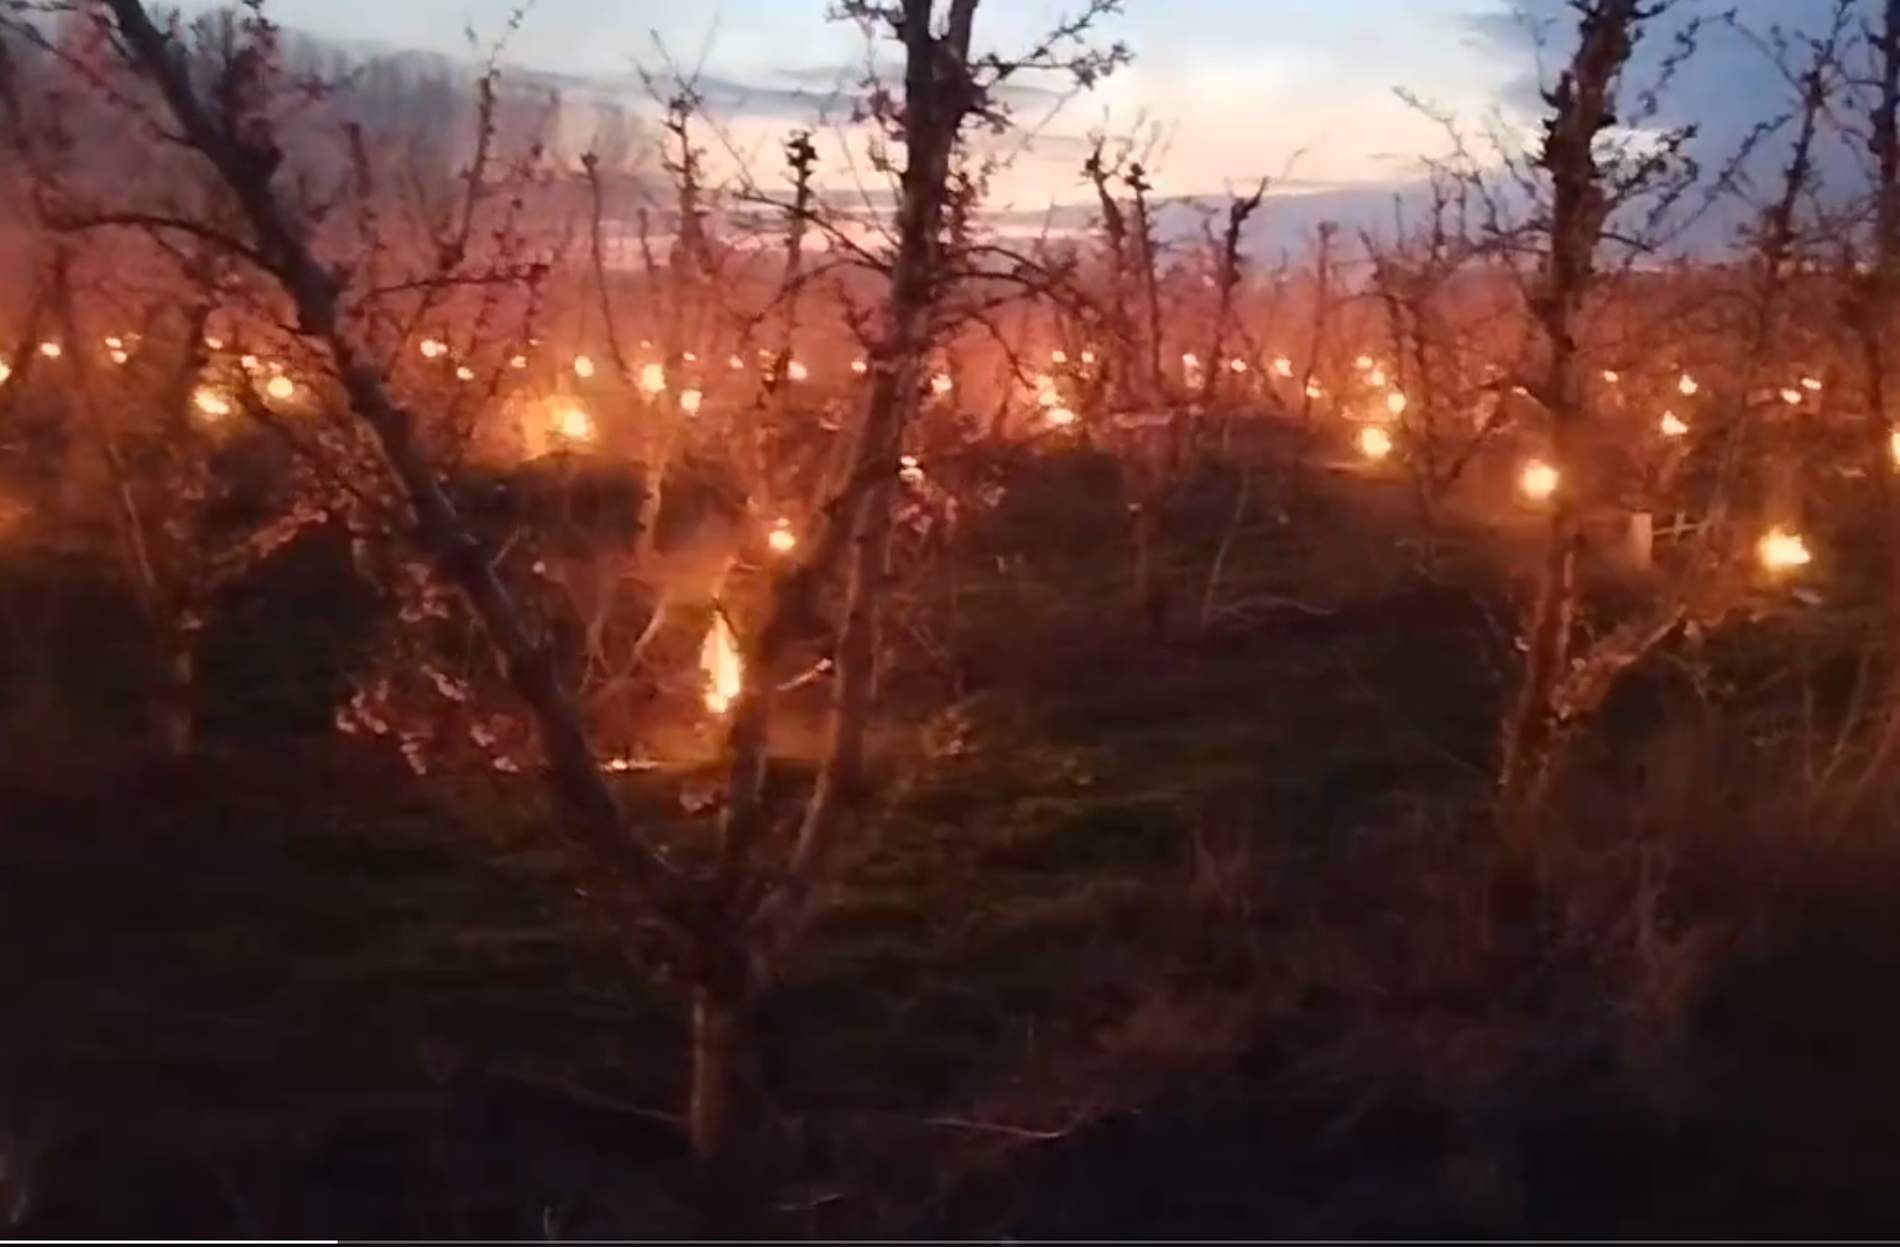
<point>615,691</point>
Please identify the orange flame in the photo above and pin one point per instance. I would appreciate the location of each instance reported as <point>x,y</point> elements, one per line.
<point>719,661</point>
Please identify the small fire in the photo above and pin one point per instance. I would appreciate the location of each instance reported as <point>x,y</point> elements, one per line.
<point>6,370</point>
<point>1687,384</point>
<point>780,537</point>
<point>216,344</point>
<point>210,403</point>
<point>1238,365</point>
<point>1791,396</point>
<point>51,349</point>
<point>1811,384</point>
<point>1058,356</point>
<point>690,357</point>
<point>690,400</point>
<point>115,344</point>
<point>1893,439</point>
<point>719,662</point>
<point>464,373</point>
<point>431,348</point>
<point>1283,367</point>
<point>281,388</point>
<point>1061,417</point>
<point>1538,480</point>
<point>1363,363</point>
<point>1190,361</point>
<point>797,371</point>
<point>909,470</point>
<point>1046,393</point>
<point>736,363</point>
<point>249,363</point>
<point>1374,442</point>
<point>1314,390</point>
<point>1611,376</point>
<point>941,384</point>
<point>1781,550</point>
<point>1088,357</point>
<point>119,355</point>
<point>1395,402</point>
<point>652,379</point>
<point>859,367</point>
<point>583,367</point>
<point>574,424</point>
<point>1671,425</point>
<point>519,361</point>
<point>1376,378</point>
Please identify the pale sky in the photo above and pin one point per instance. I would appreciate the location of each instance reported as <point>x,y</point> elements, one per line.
<point>1237,86</point>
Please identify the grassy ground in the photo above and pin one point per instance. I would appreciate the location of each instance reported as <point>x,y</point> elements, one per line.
<point>1197,936</point>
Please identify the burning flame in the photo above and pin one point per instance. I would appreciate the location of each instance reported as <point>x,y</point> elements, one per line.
<point>6,370</point>
<point>719,660</point>
<point>1811,384</point>
<point>211,404</point>
<point>1088,357</point>
<point>119,355</point>
<point>574,424</point>
<point>652,378</point>
<point>216,344</point>
<point>736,363</point>
<point>1538,480</point>
<point>519,361</point>
<point>1781,550</point>
<point>1791,396</point>
<point>1687,384</point>
<point>859,367</point>
<point>1238,365</point>
<point>1893,440</point>
<point>583,367</point>
<point>51,349</point>
<point>431,348</point>
<point>249,363</point>
<point>1374,442</point>
<point>1313,389</point>
<point>1363,363</point>
<point>941,384</point>
<point>690,400</point>
<point>1283,367</point>
<point>1671,425</point>
<point>1395,403</point>
<point>1058,356</point>
<point>781,538</point>
<point>1611,376</point>
<point>909,470</point>
<point>1061,417</point>
<point>797,371</point>
<point>464,373</point>
<point>1376,378</point>
<point>281,387</point>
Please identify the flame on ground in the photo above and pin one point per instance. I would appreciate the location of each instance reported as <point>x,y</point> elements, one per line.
<point>1781,550</point>
<point>719,661</point>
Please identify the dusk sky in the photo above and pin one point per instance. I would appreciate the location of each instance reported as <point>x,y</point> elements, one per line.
<point>1239,87</point>
<point>1303,90</point>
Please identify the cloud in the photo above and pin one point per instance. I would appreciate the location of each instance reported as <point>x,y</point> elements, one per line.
<point>1728,88</point>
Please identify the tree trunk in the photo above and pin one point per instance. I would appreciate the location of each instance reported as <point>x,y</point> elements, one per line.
<point>1534,733</point>
<point>709,1103</point>
<point>174,717</point>
<point>1582,107</point>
